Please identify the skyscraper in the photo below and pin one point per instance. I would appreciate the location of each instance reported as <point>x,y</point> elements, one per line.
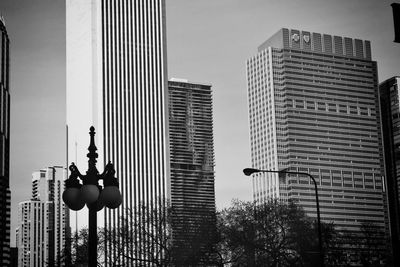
<point>5,193</point>
<point>192,164</point>
<point>43,224</point>
<point>390,107</point>
<point>117,82</point>
<point>314,107</point>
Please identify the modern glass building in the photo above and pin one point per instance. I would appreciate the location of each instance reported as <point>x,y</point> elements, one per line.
<point>5,193</point>
<point>390,107</point>
<point>192,166</point>
<point>43,226</point>
<point>117,82</point>
<point>314,108</point>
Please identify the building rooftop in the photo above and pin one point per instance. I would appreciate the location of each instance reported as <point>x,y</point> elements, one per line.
<point>318,43</point>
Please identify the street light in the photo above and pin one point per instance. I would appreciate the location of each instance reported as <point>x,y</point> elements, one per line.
<point>250,171</point>
<point>91,193</point>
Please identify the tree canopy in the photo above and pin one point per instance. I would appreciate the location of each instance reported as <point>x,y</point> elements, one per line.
<point>273,233</point>
<point>268,234</point>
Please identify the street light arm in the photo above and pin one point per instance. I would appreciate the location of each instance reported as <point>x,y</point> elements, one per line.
<point>301,173</point>
<point>250,171</point>
<point>75,172</point>
<point>108,170</point>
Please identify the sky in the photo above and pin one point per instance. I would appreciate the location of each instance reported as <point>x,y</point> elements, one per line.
<point>208,41</point>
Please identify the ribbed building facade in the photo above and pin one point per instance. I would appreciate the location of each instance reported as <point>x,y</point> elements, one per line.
<point>192,163</point>
<point>43,225</point>
<point>314,108</point>
<point>5,193</point>
<point>117,82</point>
<point>390,109</point>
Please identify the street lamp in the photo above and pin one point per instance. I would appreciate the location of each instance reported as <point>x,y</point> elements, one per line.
<point>91,193</point>
<point>250,171</point>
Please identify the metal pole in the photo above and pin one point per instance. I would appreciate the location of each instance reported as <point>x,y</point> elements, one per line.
<point>321,253</point>
<point>92,236</point>
<point>92,174</point>
<point>250,171</point>
<point>92,177</point>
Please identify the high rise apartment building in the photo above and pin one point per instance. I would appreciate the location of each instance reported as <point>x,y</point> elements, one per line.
<point>192,162</point>
<point>5,193</point>
<point>117,82</point>
<point>390,107</point>
<point>43,225</point>
<point>314,107</point>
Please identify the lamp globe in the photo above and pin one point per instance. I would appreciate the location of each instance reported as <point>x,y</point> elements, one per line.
<point>90,193</point>
<point>72,198</point>
<point>111,197</point>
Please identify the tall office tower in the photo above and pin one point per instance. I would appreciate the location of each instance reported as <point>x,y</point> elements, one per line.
<point>390,110</point>
<point>192,163</point>
<point>117,82</point>
<point>314,108</point>
<point>43,221</point>
<point>5,193</point>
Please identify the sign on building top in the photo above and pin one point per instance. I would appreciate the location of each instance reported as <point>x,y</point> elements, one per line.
<point>295,37</point>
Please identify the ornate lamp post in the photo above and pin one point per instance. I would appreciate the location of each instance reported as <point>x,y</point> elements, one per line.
<point>92,194</point>
<point>250,171</point>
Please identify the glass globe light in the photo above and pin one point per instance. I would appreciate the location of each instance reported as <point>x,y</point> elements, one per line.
<point>98,205</point>
<point>111,197</point>
<point>72,198</point>
<point>89,193</point>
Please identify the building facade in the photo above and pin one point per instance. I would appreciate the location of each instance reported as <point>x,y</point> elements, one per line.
<point>5,193</point>
<point>43,221</point>
<point>390,109</point>
<point>314,108</point>
<point>192,165</point>
<point>117,82</point>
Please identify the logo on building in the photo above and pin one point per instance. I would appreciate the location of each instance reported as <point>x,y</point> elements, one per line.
<point>295,37</point>
<point>306,38</point>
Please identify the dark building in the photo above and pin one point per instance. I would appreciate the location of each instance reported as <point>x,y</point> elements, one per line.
<point>14,257</point>
<point>192,166</point>
<point>390,108</point>
<point>396,20</point>
<point>5,193</point>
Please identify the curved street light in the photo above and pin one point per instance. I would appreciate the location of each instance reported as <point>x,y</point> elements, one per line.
<point>91,193</point>
<point>250,171</point>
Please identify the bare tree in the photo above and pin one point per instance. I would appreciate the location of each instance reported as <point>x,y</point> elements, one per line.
<point>245,234</point>
<point>268,234</point>
<point>142,237</point>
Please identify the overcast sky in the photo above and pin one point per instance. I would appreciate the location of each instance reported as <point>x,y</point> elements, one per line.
<point>208,41</point>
